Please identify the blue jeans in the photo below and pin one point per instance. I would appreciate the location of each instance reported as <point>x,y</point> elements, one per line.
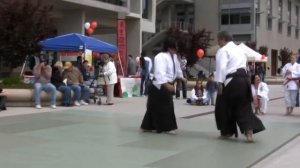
<point>81,92</point>
<point>49,88</point>
<point>144,81</point>
<point>211,98</point>
<point>67,96</point>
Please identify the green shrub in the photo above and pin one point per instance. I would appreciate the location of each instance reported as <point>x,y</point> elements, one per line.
<point>14,82</point>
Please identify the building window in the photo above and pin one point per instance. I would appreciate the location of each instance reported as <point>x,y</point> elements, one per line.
<point>236,16</point>
<point>241,37</point>
<point>257,13</point>
<point>289,13</point>
<point>297,33</point>
<point>289,30</point>
<point>147,5</point>
<point>269,14</point>
<point>269,23</point>
<point>280,9</point>
<point>279,27</point>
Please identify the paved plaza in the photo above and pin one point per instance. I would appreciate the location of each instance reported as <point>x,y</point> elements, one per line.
<point>96,136</point>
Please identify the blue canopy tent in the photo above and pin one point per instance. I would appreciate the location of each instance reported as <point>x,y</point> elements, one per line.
<point>77,42</point>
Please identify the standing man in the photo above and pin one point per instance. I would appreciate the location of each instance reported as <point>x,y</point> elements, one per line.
<point>182,84</point>
<point>160,115</point>
<point>234,99</point>
<point>291,73</point>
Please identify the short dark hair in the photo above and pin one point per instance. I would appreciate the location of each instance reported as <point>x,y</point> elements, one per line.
<point>169,43</point>
<point>224,35</point>
<point>143,54</point>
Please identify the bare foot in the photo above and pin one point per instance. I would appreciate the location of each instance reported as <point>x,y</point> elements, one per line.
<point>249,136</point>
<point>172,132</point>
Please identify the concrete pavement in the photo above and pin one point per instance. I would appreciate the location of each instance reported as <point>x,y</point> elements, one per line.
<point>281,139</point>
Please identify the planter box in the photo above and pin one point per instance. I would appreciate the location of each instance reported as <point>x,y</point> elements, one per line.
<point>25,98</point>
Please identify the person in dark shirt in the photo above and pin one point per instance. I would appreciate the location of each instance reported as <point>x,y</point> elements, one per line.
<point>57,81</point>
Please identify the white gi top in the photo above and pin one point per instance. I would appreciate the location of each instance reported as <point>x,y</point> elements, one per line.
<point>295,68</point>
<point>262,90</point>
<point>163,69</point>
<point>229,58</point>
<point>194,96</point>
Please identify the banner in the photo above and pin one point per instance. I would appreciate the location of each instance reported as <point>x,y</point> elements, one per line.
<point>122,45</point>
<point>130,87</point>
<point>68,56</point>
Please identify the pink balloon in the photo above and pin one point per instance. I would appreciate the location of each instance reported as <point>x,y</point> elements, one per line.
<point>200,53</point>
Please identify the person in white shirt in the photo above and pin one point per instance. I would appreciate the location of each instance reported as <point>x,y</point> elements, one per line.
<point>291,73</point>
<point>260,91</point>
<point>108,77</point>
<point>234,101</point>
<point>198,95</point>
<point>160,115</point>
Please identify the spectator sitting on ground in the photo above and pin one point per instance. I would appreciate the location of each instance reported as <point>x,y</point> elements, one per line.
<point>74,79</point>
<point>3,97</point>
<point>42,73</point>
<point>57,81</point>
<point>260,91</point>
<point>198,95</point>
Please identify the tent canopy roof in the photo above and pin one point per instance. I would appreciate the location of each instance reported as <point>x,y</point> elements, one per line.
<point>77,42</point>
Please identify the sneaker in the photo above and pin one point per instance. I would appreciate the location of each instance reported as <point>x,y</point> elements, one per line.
<point>53,106</point>
<point>38,106</point>
<point>82,102</point>
<point>77,103</point>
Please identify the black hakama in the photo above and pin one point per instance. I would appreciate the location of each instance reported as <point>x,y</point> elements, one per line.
<point>234,107</point>
<point>160,115</point>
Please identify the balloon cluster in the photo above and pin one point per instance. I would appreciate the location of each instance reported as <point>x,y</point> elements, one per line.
<point>200,53</point>
<point>90,27</point>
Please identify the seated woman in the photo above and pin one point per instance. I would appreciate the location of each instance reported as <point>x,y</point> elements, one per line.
<point>198,95</point>
<point>2,100</point>
<point>260,91</point>
<point>57,81</point>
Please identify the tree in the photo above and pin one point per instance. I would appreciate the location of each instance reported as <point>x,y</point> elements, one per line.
<point>190,42</point>
<point>284,56</point>
<point>263,50</point>
<point>23,23</point>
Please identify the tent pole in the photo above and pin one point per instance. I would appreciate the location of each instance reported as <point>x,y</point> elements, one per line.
<point>121,64</point>
<point>24,64</point>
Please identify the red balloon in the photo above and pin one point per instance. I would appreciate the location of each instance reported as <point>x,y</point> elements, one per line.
<point>94,25</point>
<point>200,53</point>
<point>90,31</point>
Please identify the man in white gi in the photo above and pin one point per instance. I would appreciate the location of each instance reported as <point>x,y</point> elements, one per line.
<point>160,115</point>
<point>291,73</point>
<point>234,101</point>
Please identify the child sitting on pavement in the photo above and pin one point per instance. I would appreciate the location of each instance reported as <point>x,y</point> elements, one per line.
<point>198,95</point>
